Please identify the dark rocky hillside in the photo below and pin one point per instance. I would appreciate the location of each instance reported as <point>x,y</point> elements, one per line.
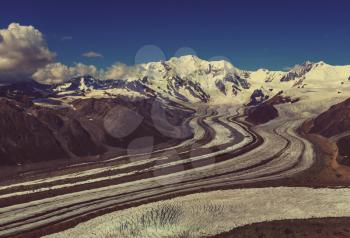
<point>88,127</point>
<point>334,121</point>
<point>265,111</point>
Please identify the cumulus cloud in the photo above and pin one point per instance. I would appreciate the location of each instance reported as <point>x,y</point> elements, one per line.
<point>116,71</point>
<point>92,54</point>
<point>122,71</point>
<point>23,50</point>
<point>57,72</point>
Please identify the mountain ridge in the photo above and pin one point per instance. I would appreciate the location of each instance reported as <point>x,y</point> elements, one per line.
<point>190,79</point>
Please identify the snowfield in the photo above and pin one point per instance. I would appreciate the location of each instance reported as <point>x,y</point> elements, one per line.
<point>207,214</point>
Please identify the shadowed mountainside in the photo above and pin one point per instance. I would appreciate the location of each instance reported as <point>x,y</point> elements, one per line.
<point>87,127</point>
<point>334,121</point>
<point>265,111</point>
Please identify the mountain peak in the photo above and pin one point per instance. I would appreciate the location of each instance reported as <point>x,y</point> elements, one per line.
<point>189,57</point>
<point>321,63</point>
<point>185,59</point>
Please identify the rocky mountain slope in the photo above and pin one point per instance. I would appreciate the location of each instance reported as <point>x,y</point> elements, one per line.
<point>335,124</point>
<point>334,121</point>
<point>265,111</point>
<point>88,127</point>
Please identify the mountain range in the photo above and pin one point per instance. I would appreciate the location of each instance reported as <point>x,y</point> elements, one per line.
<point>189,79</point>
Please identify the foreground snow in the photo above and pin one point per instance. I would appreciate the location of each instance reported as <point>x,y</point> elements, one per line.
<point>206,214</point>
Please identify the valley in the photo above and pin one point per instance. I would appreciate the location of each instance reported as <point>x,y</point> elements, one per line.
<point>175,140</point>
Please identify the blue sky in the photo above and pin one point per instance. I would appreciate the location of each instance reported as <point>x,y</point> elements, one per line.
<point>252,34</point>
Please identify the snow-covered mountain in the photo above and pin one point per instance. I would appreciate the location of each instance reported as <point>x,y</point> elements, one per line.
<point>190,79</point>
<point>87,85</point>
<point>187,79</point>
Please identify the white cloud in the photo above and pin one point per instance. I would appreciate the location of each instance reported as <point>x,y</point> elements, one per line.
<point>23,50</point>
<point>57,72</point>
<point>92,54</point>
<point>82,69</point>
<point>117,71</point>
